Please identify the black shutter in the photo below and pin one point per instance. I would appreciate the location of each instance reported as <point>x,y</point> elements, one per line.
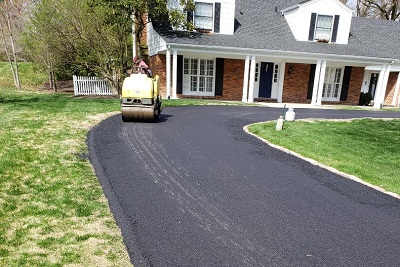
<point>312,27</point>
<point>335,28</point>
<point>217,16</point>
<point>179,74</point>
<point>346,82</point>
<point>219,76</point>
<point>189,16</point>
<point>311,81</point>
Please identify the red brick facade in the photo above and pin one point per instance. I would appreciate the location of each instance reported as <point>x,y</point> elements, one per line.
<point>356,79</point>
<point>391,87</point>
<point>295,86</point>
<point>158,66</point>
<point>233,79</point>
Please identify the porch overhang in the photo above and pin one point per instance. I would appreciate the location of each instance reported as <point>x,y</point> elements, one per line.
<point>394,68</point>
<point>280,55</point>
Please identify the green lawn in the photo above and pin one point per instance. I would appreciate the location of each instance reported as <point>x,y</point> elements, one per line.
<point>366,148</point>
<point>52,208</point>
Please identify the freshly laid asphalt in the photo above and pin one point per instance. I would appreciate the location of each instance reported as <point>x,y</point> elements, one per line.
<point>195,190</point>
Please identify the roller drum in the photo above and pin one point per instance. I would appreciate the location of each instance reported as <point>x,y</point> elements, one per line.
<point>138,114</point>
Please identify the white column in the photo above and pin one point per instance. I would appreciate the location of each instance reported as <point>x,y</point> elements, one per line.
<point>281,79</point>
<point>381,87</point>
<point>246,79</point>
<point>252,75</point>
<point>396,95</point>
<point>321,83</point>
<point>174,73</point>
<point>316,83</point>
<point>168,73</point>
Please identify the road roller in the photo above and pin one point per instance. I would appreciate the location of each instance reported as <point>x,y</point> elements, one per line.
<point>140,98</point>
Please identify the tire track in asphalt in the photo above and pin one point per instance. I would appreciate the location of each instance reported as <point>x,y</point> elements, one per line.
<point>166,173</point>
<point>229,201</point>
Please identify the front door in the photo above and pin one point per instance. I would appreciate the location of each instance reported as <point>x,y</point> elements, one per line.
<point>266,73</point>
<point>373,83</point>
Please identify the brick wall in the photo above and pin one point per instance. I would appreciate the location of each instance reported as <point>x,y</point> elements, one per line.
<point>356,79</point>
<point>233,79</point>
<point>158,64</point>
<point>295,85</point>
<point>390,89</point>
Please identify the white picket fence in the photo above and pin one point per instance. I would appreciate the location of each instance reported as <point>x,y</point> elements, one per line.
<point>91,86</point>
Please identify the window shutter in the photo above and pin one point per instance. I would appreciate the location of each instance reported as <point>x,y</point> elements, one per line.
<point>346,82</point>
<point>219,76</point>
<point>217,17</point>
<point>179,74</point>
<point>311,81</point>
<point>189,16</point>
<point>312,27</point>
<point>335,28</point>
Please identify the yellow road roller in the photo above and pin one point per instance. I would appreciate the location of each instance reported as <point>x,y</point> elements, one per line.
<point>140,98</point>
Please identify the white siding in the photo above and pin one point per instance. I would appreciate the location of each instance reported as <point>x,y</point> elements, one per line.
<point>154,41</point>
<point>299,19</point>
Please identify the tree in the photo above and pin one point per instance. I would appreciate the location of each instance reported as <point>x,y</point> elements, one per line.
<point>9,15</point>
<point>74,37</point>
<point>90,37</point>
<point>146,11</point>
<point>382,9</point>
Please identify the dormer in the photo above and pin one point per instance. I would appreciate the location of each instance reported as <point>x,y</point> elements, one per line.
<point>325,21</point>
<point>216,16</point>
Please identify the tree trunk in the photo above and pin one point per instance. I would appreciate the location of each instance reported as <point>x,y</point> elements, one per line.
<point>52,80</point>
<point>14,66</point>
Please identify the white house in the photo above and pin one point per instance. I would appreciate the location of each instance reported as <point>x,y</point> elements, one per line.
<point>278,50</point>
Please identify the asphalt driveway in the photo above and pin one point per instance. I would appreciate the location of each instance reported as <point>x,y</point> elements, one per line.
<point>195,190</point>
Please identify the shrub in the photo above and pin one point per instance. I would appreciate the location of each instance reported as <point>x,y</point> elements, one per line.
<point>365,99</point>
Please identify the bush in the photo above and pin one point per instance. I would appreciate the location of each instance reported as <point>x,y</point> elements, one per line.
<point>365,99</point>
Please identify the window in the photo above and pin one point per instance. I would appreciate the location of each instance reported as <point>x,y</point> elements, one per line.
<point>332,84</point>
<point>276,71</point>
<point>203,16</point>
<point>323,28</point>
<point>256,74</point>
<point>198,76</point>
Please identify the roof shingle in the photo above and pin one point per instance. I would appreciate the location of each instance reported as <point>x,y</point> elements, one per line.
<point>260,26</point>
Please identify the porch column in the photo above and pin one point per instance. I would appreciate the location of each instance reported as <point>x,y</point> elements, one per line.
<point>396,96</point>
<point>252,75</point>
<point>168,73</point>
<point>174,73</point>
<point>321,83</point>
<point>316,83</point>
<point>246,79</point>
<point>281,79</point>
<point>381,87</point>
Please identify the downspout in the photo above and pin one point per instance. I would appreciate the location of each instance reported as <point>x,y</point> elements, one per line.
<point>133,35</point>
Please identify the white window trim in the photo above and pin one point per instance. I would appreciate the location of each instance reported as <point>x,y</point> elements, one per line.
<point>213,14</point>
<point>186,86</point>
<point>336,99</point>
<point>331,29</point>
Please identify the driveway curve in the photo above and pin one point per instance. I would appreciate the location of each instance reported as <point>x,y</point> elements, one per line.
<point>195,190</point>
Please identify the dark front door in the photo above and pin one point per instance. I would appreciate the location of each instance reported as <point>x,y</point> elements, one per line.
<point>373,83</point>
<point>266,72</point>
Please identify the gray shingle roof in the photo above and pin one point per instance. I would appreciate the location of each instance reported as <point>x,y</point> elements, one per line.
<point>260,26</point>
